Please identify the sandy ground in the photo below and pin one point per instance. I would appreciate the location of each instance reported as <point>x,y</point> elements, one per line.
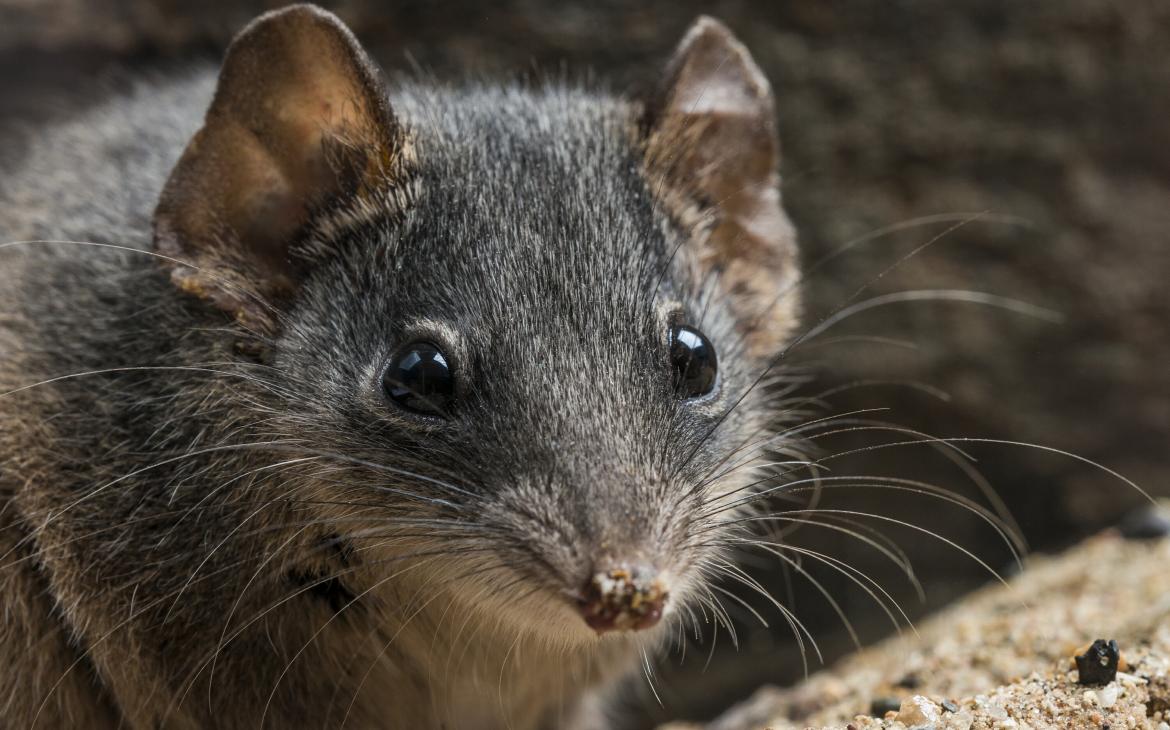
<point>1003,657</point>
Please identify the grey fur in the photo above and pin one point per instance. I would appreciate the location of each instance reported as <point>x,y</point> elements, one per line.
<point>185,486</point>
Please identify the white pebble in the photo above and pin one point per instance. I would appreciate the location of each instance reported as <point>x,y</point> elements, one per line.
<point>1109,696</point>
<point>993,710</point>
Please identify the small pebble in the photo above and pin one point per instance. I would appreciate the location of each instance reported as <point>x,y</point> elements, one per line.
<point>1147,523</point>
<point>917,710</point>
<point>949,706</point>
<point>881,705</point>
<point>1098,665</point>
<point>994,711</point>
<point>1109,696</point>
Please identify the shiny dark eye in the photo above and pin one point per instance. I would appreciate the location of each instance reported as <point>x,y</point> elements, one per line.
<point>419,379</point>
<point>693,357</point>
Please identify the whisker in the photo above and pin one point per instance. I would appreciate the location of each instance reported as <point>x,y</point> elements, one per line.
<point>934,295</point>
<point>863,581</point>
<point>895,556</point>
<point>870,515</point>
<point>226,283</point>
<point>836,606</point>
<point>132,369</point>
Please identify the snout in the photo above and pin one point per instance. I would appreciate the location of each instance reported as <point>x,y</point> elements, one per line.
<point>623,599</point>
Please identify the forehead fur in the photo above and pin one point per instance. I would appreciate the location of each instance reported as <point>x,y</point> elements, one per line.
<point>530,180</point>
<point>531,236</point>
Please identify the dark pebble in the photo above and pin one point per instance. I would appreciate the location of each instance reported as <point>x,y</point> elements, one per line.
<point>949,706</point>
<point>1012,569</point>
<point>910,681</point>
<point>1147,523</point>
<point>881,705</point>
<point>1098,665</point>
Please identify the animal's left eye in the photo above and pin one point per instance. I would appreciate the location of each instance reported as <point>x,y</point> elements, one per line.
<point>693,357</point>
<point>419,379</point>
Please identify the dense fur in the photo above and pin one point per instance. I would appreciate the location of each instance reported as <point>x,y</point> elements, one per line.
<point>212,525</point>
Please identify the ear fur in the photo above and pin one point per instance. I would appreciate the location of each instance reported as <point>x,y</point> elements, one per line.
<point>299,119</point>
<point>712,151</point>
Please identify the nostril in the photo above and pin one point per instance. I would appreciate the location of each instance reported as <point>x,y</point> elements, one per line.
<point>623,599</point>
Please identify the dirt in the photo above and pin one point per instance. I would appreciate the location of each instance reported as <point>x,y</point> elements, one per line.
<point>1005,657</point>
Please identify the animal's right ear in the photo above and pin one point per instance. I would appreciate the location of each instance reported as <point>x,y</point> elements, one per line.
<point>299,123</point>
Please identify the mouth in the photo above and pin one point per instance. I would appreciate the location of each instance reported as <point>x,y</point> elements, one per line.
<point>623,599</point>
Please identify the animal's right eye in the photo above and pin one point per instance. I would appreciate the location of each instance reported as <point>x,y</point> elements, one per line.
<point>693,357</point>
<point>419,379</point>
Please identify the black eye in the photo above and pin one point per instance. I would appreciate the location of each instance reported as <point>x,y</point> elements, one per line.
<point>693,358</point>
<point>420,379</point>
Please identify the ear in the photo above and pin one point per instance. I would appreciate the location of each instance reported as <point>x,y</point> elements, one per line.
<point>714,158</point>
<point>299,122</point>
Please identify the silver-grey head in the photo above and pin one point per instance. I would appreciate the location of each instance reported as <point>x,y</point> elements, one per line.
<point>532,320</point>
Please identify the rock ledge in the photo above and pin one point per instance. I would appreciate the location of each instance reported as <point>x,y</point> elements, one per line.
<point>1004,656</point>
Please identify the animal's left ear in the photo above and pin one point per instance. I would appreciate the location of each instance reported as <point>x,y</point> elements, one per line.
<point>713,159</point>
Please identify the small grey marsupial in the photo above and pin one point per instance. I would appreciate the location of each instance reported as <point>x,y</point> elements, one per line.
<point>384,404</point>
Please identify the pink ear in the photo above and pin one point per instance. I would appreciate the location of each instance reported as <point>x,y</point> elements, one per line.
<point>712,141</point>
<point>298,119</point>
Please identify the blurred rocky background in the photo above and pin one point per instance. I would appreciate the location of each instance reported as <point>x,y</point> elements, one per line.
<point>1028,143</point>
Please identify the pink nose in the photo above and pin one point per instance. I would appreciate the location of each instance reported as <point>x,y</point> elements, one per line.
<point>623,599</point>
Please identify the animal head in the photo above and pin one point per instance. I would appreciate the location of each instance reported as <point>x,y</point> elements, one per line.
<point>518,335</point>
